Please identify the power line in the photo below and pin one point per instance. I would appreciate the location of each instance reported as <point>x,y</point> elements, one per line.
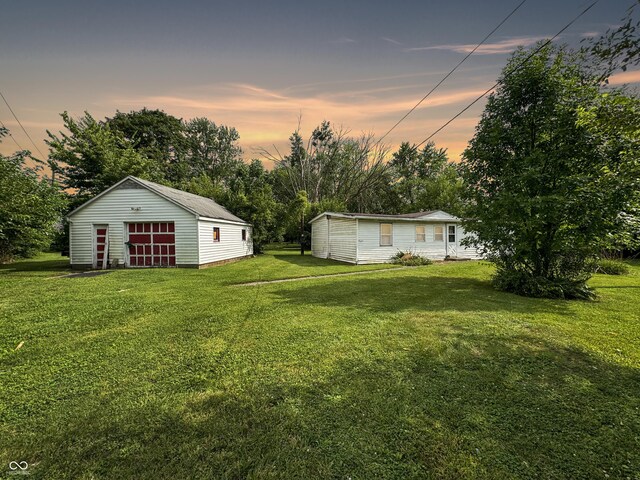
<point>543,45</point>
<point>23,129</point>
<point>453,70</point>
<point>11,136</point>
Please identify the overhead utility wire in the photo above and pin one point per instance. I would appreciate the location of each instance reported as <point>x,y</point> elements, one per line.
<point>547,42</point>
<point>452,70</point>
<point>11,136</point>
<point>19,123</point>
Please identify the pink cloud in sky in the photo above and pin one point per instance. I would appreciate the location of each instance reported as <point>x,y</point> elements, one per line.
<point>266,117</point>
<point>625,77</point>
<point>501,47</point>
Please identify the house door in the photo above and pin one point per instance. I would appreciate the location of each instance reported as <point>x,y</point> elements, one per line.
<point>151,244</point>
<point>452,241</point>
<point>100,246</point>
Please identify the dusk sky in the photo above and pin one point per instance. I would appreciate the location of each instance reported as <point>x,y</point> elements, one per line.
<point>258,66</point>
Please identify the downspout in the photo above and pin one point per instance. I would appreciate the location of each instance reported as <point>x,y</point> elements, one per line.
<point>328,236</point>
<point>197,241</point>
<point>70,243</point>
<point>357,238</point>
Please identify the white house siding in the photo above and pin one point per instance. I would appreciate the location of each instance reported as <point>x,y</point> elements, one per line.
<point>319,238</point>
<point>230,244</point>
<point>114,209</point>
<point>404,239</point>
<point>342,239</point>
<point>470,253</point>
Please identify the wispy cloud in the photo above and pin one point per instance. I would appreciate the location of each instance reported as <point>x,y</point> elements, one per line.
<point>265,116</point>
<point>493,68</point>
<point>343,40</point>
<point>391,40</point>
<point>501,47</point>
<point>625,77</point>
<point>590,34</point>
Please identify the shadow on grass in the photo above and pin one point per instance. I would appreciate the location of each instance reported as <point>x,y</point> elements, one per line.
<point>306,260</point>
<point>474,405</point>
<point>413,292</point>
<point>35,265</point>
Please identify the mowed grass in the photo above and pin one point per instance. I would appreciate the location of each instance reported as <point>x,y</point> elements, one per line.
<point>416,373</point>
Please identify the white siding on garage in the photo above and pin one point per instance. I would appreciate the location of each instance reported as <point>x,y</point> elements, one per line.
<point>114,209</point>
<point>343,239</point>
<point>319,238</point>
<point>230,244</point>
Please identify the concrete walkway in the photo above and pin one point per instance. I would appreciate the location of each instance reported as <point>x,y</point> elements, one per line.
<point>314,277</point>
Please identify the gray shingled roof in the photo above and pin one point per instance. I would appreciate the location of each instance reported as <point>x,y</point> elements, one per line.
<point>205,207</point>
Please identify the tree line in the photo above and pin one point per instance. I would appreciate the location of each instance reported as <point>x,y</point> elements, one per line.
<point>331,171</point>
<point>550,180</point>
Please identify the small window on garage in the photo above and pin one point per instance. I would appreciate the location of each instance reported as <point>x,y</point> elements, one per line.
<point>386,234</point>
<point>216,234</point>
<point>421,234</point>
<point>438,233</point>
<point>244,234</point>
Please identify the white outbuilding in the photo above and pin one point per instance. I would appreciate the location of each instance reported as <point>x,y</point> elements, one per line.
<point>138,223</point>
<point>371,238</point>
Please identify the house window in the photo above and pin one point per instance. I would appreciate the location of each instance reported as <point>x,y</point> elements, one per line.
<point>421,235</point>
<point>216,234</point>
<point>438,233</point>
<point>386,234</point>
<point>452,234</point>
<point>244,234</point>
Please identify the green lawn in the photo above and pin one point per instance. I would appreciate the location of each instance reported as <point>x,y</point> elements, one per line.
<point>416,373</point>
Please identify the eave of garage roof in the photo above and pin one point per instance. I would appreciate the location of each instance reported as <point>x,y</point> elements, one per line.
<point>195,204</point>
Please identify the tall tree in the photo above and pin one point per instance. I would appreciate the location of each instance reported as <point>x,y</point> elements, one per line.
<point>155,135</point>
<point>545,193</point>
<point>425,180</point>
<point>92,157</point>
<point>332,166</point>
<point>211,149</point>
<point>30,208</point>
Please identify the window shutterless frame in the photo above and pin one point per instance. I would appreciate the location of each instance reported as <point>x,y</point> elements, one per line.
<point>216,234</point>
<point>452,234</point>
<point>421,233</point>
<point>386,234</point>
<point>438,233</point>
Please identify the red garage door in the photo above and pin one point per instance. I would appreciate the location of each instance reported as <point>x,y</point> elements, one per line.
<point>152,244</point>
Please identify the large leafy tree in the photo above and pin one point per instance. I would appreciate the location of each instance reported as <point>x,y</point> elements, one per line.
<point>155,135</point>
<point>211,149</point>
<point>425,180</point>
<point>30,208</point>
<point>547,191</point>
<point>92,157</point>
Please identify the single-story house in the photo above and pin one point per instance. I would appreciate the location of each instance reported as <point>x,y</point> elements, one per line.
<point>371,238</point>
<point>138,223</point>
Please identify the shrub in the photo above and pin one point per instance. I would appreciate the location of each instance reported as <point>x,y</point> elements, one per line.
<point>30,209</point>
<point>409,259</point>
<point>521,283</point>
<point>611,267</point>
